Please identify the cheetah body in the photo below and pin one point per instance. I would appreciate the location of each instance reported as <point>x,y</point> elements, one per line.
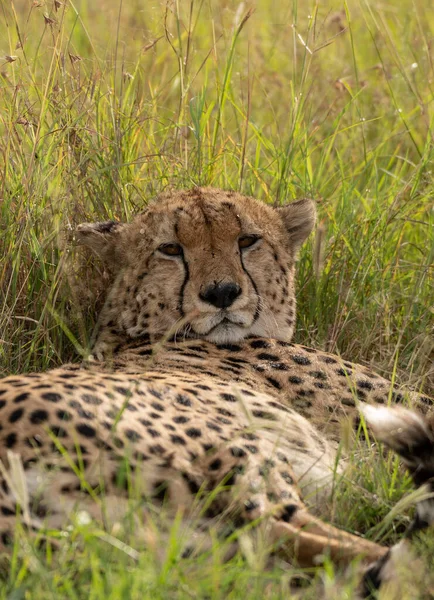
<point>194,380</point>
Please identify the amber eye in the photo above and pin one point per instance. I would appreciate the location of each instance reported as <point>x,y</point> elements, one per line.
<point>170,249</point>
<point>245,241</point>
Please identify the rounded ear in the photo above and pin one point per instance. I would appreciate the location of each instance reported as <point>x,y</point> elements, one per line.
<point>299,218</point>
<point>102,238</point>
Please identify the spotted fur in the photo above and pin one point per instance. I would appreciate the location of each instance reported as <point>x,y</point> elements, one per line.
<point>193,382</point>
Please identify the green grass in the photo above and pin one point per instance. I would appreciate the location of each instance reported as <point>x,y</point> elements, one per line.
<point>105,104</point>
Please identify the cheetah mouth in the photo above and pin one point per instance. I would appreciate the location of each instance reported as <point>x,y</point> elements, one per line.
<point>221,326</point>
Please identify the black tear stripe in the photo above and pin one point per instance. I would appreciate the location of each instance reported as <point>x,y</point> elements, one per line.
<point>257,309</point>
<point>186,279</point>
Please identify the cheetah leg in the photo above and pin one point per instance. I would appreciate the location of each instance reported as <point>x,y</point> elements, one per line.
<point>307,538</point>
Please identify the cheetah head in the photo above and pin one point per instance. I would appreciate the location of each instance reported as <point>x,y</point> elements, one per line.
<point>202,263</point>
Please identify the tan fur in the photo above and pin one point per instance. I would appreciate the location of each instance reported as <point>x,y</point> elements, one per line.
<point>193,395</point>
<point>207,223</point>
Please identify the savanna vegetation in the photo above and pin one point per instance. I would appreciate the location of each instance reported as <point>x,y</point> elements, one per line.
<point>104,104</point>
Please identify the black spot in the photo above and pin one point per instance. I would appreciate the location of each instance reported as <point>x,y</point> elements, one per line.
<point>132,435</point>
<point>266,356</point>
<point>364,385</point>
<point>279,366</point>
<point>198,349</point>
<point>91,399</point>
<point>426,400</point>
<point>322,386</point>
<point>228,397</point>
<point>177,439</point>
<point>145,352</point>
<point>203,387</point>
<point>21,397</point>
<point>64,415</point>
<point>251,448</point>
<point>237,361</point>
<point>319,375</point>
<point>184,400</point>
<point>193,432</point>
<point>16,415</point>
<point>229,347</point>
<point>286,476</point>
<point>11,440</point>
<point>263,414</point>
<point>237,452</point>
<point>224,412</point>
<point>295,380</point>
<point>299,359</point>
<point>249,436</point>
<point>282,457</point>
<point>156,449</point>
<point>38,416</point>
<point>157,406</point>
<point>85,430</point>
<point>285,344</point>
<point>348,401</point>
<point>160,489</point>
<point>34,442</point>
<point>213,426</point>
<point>279,407</point>
<point>259,344</point>
<point>122,390</point>
<point>181,419</point>
<point>2,403</point>
<point>51,397</point>
<point>7,511</point>
<point>328,359</point>
<point>154,415</point>
<point>274,382</point>
<point>6,538</point>
<point>215,465</point>
<point>59,432</point>
<point>289,511</point>
<point>192,485</point>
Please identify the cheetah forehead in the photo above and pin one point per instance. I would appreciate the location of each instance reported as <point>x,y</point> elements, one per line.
<point>204,214</point>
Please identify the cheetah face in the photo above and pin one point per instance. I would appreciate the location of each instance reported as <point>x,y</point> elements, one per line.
<point>204,263</point>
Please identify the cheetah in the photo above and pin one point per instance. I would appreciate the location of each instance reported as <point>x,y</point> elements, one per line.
<point>193,381</point>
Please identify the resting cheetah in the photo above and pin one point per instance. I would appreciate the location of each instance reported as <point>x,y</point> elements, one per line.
<point>193,381</point>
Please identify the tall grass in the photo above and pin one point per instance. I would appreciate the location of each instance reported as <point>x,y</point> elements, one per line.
<point>105,104</point>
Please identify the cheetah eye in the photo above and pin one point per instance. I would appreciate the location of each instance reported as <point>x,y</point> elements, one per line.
<point>170,249</point>
<point>245,241</point>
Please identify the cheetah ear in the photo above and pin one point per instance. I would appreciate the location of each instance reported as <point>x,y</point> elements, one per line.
<point>299,219</point>
<point>102,238</point>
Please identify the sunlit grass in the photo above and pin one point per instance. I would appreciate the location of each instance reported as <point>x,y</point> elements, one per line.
<point>105,104</point>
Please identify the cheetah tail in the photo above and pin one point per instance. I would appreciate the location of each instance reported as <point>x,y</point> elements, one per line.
<point>412,437</point>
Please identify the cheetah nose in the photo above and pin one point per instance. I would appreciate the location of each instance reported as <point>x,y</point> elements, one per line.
<point>221,295</point>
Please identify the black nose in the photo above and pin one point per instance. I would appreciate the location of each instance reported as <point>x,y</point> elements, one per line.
<point>221,295</point>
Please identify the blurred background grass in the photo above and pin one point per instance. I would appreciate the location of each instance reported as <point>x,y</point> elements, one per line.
<point>105,104</point>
